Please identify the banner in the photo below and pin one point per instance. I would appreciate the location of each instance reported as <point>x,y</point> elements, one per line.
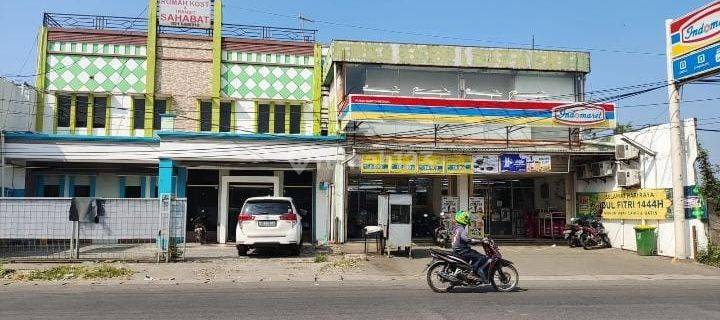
<point>538,163</point>
<point>633,204</point>
<point>430,164</point>
<point>185,13</point>
<point>458,164</point>
<point>449,205</point>
<point>695,205</point>
<point>402,163</point>
<point>374,163</point>
<point>486,164</point>
<point>513,162</point>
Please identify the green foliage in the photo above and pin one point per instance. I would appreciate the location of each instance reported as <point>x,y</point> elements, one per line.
<point>623,128</point>
<point>643,228</point>
<point>79,272</point>
<point>5,272</point>
<point>711,256</point>
<point>710,186</point>
<point>320,257</point>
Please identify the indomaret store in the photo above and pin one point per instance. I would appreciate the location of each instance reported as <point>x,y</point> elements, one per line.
<point>497,137</point>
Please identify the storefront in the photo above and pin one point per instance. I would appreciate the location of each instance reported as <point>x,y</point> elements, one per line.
<point>521,196</point>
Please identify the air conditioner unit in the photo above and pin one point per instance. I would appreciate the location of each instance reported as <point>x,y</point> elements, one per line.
<point>628,178</point>
<point>602,169</point>
<point>582,171</point>
<point>626,152</point>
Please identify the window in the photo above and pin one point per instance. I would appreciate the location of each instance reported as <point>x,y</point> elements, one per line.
<point>225,116</point>
<point>81,111</point>
<point>138,113</point>
<point>132,192</point>
<point>63,110</point>
<point>295,116</point>
<point>51,191</point>
<point>81,191</point>
<point>279,125</point>
<point>263,118</point>
<point>159,108</point>
<point>99,111</point>
<point>205,116</point>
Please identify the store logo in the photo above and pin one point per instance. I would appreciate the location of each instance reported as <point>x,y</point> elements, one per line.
<point>705,26</point>
<point>579,115</point>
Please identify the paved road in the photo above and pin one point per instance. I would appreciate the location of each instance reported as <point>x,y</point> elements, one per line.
<point>342,300</point>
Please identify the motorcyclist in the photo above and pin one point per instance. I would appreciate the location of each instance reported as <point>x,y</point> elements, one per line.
<point>461,243</point>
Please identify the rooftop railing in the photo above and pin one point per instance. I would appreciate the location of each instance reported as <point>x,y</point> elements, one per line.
<point>96,22</point>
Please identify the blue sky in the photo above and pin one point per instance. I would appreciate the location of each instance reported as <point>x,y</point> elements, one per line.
<point>625,38</point>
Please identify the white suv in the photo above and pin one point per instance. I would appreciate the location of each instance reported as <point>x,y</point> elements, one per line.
<point>269,222</point>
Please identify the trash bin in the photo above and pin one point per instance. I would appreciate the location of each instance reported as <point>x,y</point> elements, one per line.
<point>645,240</point>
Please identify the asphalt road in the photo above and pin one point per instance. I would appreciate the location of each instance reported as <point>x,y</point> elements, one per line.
<point>341,300</point>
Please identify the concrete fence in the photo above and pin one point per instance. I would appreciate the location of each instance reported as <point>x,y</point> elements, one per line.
<point>128,229</point>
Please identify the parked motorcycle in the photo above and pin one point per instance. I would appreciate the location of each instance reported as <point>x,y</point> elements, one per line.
<point>199,227</point>
<point>443,233</point>
<point>594,235</point>
<point>448,270</point>
<point>573,231</point>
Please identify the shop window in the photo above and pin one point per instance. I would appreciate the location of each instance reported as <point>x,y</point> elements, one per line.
<point>279,124</point>
<point>138,113</point>
<point>263,118</point>
<point>132,192</point>
<point>159,108</point>
<point>225,117</point>
<point>205,116</point>
<point>81,111</point>
<point>51,191</point>
<point>64,103</point>
<point>99,111</point>
<point>81,191</point>
<point>400,214</point>
<point>295,116</point>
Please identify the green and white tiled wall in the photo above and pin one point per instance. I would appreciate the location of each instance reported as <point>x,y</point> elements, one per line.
<point>266,76</point>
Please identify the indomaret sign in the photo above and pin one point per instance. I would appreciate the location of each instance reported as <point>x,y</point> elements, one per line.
<point>185,13</point>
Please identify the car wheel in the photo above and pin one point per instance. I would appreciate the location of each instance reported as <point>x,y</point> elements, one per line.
<point>242,250</point>
<point>295,249</point>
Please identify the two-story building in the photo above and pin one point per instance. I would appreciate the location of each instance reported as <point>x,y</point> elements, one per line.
<point>492,130</point>
<point>132,108</point>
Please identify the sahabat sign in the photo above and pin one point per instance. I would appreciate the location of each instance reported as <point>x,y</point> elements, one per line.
<point>185,13</point>
<point>695,43</point>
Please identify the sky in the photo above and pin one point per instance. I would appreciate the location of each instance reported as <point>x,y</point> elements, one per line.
<point>626,39</point>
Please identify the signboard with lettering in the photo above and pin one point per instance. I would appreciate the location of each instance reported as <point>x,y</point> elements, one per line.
<point>486,164</point>
<point>185,13</point>
<point>430,164</point>
<point>695,43</point>
<point>513,162</point>
<point>635,204</point>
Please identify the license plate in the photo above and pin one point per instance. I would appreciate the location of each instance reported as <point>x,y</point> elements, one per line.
<point>267,223</point>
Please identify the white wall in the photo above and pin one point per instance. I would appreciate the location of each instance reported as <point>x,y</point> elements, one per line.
<point>14,177</point>
<point>17,106</point>
<point>245,116</point>
<point>325,173</point>
<point>120,106</point>
<point>655,173</point>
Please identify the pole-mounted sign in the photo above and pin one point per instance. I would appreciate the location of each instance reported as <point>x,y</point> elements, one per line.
<point>695,43</point>
<point>185,13</point>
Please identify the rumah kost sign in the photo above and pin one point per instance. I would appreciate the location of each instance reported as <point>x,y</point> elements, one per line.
<point>185,13</point>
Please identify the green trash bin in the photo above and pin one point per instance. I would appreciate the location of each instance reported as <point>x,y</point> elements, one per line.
<point>645,240</point>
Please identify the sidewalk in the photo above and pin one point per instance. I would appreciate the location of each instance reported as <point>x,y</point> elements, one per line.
<point>555,263</point>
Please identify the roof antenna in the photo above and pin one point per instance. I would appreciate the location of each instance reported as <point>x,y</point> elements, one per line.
<point>302,19</point>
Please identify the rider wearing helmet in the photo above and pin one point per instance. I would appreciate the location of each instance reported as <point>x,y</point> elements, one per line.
<point>461,242</point>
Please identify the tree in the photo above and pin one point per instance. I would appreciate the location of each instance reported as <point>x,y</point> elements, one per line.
<point>623,128</point>
<point>710,186</point>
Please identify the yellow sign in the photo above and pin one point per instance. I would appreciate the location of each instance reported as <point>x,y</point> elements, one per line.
<point>431,164</point>
<point>636,204</point>
<point>458,164</point>
<point>374,163</point>
<point>402,163</point>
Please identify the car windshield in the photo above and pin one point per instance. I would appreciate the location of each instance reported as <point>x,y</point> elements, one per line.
<point>271,207</point>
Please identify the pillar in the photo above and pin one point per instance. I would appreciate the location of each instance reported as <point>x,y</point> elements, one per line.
<point>463,191</point>
<point>165,177</point>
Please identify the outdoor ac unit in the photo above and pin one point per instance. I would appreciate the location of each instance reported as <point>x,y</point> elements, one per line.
<point>628,178</point>
<point>582,171</point>
<point>626,152</point>
<point>602,169</point>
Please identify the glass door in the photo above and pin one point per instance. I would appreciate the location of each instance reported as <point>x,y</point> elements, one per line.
<point>237,194</point>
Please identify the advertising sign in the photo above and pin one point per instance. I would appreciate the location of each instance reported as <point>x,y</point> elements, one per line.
<point>695,205</point>
<point>538,163</point>
<point>470,111</point>
<point>513,162</point>
<point>185,13</point>
<point>633,204</point>
<point>402,163</point>
<point>374,163</point>
<point>449,204</point>
<point>693,42</point>
<point>430,164</point>
<point>458,164</point>
<point>486,164</point>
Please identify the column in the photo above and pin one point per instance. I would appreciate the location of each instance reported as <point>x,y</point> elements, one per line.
<point>463,188</point>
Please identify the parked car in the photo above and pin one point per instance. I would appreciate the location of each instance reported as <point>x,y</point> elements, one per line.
<point>269,222</point>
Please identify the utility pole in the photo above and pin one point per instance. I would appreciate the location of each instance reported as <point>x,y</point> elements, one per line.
<point>2,162</point>
<point>677,153</point>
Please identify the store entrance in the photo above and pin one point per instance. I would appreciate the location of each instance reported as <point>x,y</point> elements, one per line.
<point>237,194</point>
<point>509,206</point>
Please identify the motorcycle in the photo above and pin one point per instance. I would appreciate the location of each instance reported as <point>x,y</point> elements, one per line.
<point>443,234</point>
<point>594,235</point>
<point>572,232</point>
<point>199,229</point>
<point>448,270</point>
